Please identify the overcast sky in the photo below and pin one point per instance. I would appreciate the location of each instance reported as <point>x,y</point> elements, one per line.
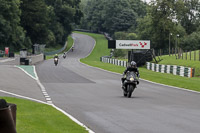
<point>147,1</point>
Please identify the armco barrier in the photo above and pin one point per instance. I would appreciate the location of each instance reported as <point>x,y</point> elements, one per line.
<point>114,61</point>
<point>56,51</point>
<point>173,69</point>
<point>35,59</point>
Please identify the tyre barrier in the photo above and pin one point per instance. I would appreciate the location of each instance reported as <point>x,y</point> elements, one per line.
<point>7,117</point>
<point>173,69</point>
<point>114,61</point>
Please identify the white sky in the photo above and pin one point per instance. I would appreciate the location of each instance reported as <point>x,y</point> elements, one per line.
<point>147,1</point>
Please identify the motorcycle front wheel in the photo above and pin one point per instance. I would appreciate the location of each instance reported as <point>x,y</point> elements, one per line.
<point>130,89</point>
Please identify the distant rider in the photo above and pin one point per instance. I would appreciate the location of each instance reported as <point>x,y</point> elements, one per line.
<point>132,67</point>
<point>64,55</point>
<point>56,56</point>
<point>56,59</point>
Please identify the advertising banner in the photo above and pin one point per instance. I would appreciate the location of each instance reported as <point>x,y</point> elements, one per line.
<point>132,44</point>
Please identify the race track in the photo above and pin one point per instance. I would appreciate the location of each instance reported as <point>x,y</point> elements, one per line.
<point>94,97</point>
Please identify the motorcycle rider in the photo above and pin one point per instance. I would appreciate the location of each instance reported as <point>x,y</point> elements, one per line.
<point>132,67</point>
<point>64,55</point>
<point>56,56</point>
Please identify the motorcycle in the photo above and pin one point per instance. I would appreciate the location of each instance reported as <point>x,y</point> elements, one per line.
<point>130,83</point>
<point>64,56</point>
<point>56,61</point>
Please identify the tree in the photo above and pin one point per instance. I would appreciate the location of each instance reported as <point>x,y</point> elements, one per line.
<point>35,20</point>
<point>161,20</point>
<point>189,14</point>
<point>191,42</point>
<point>118,18</point>
<point>138,7</point>
<point>111,16</point>
<point>11,33</point>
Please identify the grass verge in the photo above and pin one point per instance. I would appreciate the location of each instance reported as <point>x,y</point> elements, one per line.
<point>33,117</point>
<point>101,49</point>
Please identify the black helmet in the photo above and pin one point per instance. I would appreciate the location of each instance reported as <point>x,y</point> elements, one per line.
<point>133,64</point>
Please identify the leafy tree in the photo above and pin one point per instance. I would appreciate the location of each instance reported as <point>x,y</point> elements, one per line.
<point>93,15</point>
<point>118,18</point>
<point>161,20</point>
<point>111,16</point>
<point>35,20</point>
<point>11,33</point>
<point>191,42</point>
<point>67,13</point>
<point>138,7</point>
<point>132,36</point>
<point>125,36</point>
<point>120,35</point>
<point>189,14</point>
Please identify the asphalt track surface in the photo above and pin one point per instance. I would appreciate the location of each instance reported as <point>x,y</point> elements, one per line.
<point>14,80</point>
<point>94,97</point>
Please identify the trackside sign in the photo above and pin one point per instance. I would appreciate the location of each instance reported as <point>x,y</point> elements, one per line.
<point>132,44</point>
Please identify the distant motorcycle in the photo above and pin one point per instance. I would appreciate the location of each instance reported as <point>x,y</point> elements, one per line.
<point>130,84</point>
<point>72,49</point>
<point>56,61</point>
<point>64,56</point>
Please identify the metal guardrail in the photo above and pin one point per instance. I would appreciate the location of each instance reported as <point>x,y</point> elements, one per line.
<point>56,51</point>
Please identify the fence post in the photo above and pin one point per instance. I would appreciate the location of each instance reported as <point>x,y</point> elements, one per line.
<point>199,55</point>
<point>186,55</point>
<point>190,55</point>
<point>182,52</point>
<point>194,55</point>
<point>160,52</point>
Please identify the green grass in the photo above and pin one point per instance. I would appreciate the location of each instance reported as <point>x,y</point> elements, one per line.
<point>70,42</point>
<point>171,60</point>
<point>101,49</point>
<point>53,48</point>
<point>33,117</point>
<point>193,54</point>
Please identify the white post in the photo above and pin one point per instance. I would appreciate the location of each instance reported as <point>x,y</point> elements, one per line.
<point>174,70</point>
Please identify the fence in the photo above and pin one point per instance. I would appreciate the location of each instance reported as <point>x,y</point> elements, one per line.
<point>114,61</point>
<point>56,51</point>
<point>180,54</point>
<point>173,69</point>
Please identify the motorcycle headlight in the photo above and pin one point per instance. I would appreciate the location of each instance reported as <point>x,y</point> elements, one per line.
<point>131,79</point>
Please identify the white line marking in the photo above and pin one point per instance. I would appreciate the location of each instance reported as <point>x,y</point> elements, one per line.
<point>48,99</point>
<point>51,104</point>
<point>26,72</point>
<point>74,119</point>
<point>32,99</point>
<point>34,70</point>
